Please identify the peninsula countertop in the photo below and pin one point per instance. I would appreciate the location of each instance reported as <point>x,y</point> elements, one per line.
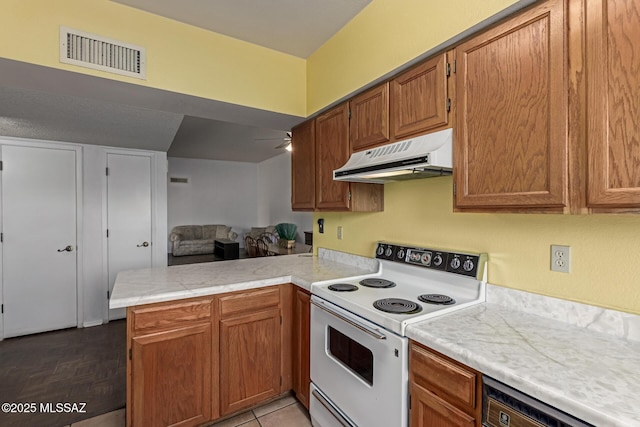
<point>150,285</point>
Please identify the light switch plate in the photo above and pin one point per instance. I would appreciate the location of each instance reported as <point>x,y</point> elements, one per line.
<point>561,258</point>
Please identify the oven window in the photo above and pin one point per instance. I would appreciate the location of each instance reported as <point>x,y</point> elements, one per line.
<point>352,354</point>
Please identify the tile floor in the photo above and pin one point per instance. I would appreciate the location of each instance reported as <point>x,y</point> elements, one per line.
<point>284,412</point>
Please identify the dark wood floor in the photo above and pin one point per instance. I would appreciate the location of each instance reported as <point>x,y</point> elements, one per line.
<point>69,366</point>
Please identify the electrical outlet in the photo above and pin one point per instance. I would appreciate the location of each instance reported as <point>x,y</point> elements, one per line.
<point>561,258</point>
<point>339,232</point>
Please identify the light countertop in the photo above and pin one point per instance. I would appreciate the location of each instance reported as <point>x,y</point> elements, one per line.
<point>567,361</point>
<point>149,285</point>
<point>590,375</point>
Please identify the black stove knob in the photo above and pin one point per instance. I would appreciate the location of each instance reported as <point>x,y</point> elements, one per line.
<point>380,250</point>
<point>468,265</point>
<point>455,263</point>
<point>400,254</point>
<point>389,251</point>
<point>437,260</point>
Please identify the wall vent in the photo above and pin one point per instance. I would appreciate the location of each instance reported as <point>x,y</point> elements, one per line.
<point>101,53</point>
<point>179,180</point>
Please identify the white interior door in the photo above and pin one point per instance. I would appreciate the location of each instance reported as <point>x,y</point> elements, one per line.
<point>128,216</point>
<point>39,233</point>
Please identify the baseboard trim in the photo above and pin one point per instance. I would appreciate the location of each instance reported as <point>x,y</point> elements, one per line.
<point>91,323</point>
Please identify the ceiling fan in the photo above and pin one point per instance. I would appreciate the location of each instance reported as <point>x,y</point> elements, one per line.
<point>286,141</point>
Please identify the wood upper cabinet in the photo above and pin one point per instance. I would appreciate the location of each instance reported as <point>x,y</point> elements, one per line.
<point>249,348</point>
<point>613,103</point>
<point>332,152</point>
<point>303,167</point>
<point>169,375</point>
<point>369,121</point>
<point>444,393</point>
<point>301,345</point>
<point>419,100</point>
<point>510,139</point>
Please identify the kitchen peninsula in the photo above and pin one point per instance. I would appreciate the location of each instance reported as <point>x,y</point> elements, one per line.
<point>578,358</point>
<point>207,340</point>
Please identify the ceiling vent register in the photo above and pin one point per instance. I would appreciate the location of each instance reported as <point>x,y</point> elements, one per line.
<point>101,53</point>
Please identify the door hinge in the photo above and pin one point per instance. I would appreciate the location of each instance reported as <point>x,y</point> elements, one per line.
<point>1,164</point>
<point>409,402</point>
<point>454,66</point>
<point>106,171</point>
<point>107,233</point>
<point>349,113</point>
<point>454,188</point>
<point>448,104</point>
<point>130,354</point>
<point>448,69</point>
<point>349,195</point>
<point>1,237</point>
<point>2,309</point>
<point>108,294</point>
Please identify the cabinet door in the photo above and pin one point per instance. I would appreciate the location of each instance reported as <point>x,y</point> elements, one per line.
<point>419,98</point>
<point>249,359</point>
<point>428,410</point>
<point>171,377</point>
<point>301,328</point>
<point>303,167</point>
<point>332,151</point>
<point>369,122</point>
<point>511,113</point>
<point>613,102</point>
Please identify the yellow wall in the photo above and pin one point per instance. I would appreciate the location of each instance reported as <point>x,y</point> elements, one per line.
<point>383,37</point>
<point>605,248</point>
<point>605,270</point>
<point>180,58</point>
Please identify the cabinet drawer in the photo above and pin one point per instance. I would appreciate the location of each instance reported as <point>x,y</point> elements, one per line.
<point>436,373</point>
<point>169,315</point>
<point>249,301</point>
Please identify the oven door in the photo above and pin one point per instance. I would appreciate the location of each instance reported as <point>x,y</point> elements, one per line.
<point>360,369</point>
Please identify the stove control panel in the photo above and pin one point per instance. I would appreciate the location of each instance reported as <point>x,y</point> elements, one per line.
<point>452,262</point>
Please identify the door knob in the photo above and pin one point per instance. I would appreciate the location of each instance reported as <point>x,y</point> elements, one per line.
<point>69,248</point>
<point>144,244</point>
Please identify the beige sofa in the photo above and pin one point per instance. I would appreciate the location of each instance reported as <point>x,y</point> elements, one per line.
<point>198,239</point>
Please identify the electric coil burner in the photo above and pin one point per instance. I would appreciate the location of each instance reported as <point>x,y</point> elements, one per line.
<point>377,283</point>
<point>343,287</point>
<point>397,306</point>
<point>437,299</point>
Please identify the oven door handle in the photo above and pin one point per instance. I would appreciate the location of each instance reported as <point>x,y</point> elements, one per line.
<point>330,409</point>
<point>363,328</point>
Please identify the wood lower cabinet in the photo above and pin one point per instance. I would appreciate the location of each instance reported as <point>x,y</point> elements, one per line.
<point>510,141</point>
<point>249,348</point>
<point>444,393</point>
<point>249,359</point>
<point>301,345</point>
<point>169,380</point>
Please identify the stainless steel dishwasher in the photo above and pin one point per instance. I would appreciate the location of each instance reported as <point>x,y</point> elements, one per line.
<point>503,406</point>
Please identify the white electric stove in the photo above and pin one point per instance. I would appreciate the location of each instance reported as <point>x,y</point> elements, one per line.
<point>358,342</point>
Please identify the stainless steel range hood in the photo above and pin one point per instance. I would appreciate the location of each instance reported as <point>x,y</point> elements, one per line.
<point>424,156</point>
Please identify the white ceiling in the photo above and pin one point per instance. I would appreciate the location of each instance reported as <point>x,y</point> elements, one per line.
<point>46,103</point>
<point>296,27</point>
